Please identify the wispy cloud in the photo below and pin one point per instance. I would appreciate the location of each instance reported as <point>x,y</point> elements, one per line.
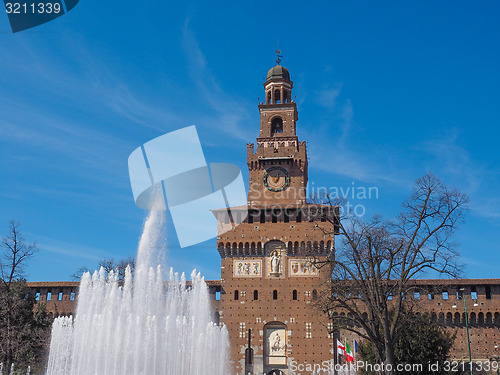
<point>459,168</point>
<point>72,250</point>
<point>328,96</point>
<point>232,115</point>
<point>453,160</point>
<point>345,154</point>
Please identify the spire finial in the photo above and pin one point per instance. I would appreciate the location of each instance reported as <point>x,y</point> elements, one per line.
<point>278,55</point>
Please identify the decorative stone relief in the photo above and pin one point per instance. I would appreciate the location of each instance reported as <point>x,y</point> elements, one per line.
<point>247,268</point>
<point>276,345</point>
<point>301,268</point>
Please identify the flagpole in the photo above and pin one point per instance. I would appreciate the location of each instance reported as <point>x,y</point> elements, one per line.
<point>347,362</point>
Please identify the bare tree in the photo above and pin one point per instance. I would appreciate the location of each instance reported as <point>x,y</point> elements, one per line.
<point>376,261</point>
<point>15,253</point>
<point>24,329</point>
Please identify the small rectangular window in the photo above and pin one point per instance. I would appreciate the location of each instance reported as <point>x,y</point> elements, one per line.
<point>60,296</point>
<point>430,296</point>
<point>488,292</point>
<point>37,296</point>
<point>445,295</point>
<point>416,295</point>
<point>262,216</point>
<point>217,296</point>
<point>49,296</point>
<point>473,295</point>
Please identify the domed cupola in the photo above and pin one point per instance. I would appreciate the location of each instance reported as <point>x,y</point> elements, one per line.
<point>278,72</point>
<point>278,85</point>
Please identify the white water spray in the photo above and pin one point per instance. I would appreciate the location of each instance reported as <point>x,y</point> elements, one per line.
<point>142,327</point>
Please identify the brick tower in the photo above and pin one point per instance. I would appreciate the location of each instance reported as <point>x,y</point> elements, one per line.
<point>268,283</point>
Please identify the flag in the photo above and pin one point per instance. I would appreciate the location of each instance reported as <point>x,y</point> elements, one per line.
<point>355,346</point>
<point>340,348</point>
<point>348,353</point>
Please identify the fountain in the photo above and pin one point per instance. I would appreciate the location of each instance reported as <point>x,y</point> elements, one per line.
<point>142,326</point>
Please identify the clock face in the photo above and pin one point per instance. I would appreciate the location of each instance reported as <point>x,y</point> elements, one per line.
<point>276,179</point>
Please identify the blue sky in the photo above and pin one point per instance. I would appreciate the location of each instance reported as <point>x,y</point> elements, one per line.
<point>386,92</point>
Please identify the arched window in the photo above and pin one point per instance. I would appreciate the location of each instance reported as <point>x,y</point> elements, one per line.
<point>480,319</point>
<point>255,295</point>
<point>449,318</point>
<point>489,318</point>
<point>294,295</point>
<point>276,126</point>
<point>472,320</point>
<point>277,98</point>
<point>441,318</point>
<point>286,98</point>
<point>275,294</point>
<point>236,295</point>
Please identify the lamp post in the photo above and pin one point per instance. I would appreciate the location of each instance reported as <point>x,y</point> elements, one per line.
<point>464,297</point>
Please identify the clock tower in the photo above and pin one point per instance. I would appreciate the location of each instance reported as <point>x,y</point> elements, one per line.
<point>269,284</point>
<point>278,166</point>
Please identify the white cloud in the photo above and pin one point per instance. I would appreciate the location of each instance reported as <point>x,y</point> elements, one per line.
<point>328,97</point>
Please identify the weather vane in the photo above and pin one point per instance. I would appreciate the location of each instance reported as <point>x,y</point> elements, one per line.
<point>278,54</point>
